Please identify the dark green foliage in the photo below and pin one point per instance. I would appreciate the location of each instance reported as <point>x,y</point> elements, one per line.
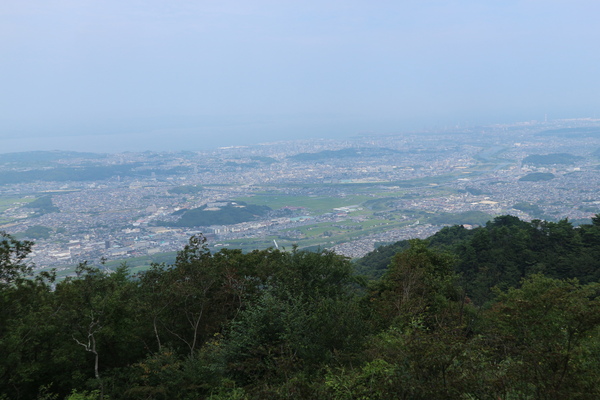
<point>537,177</point>
<point>28,339</point>
<point>38,232</point>
<point>421,350</point>
<point>299,325</point>
<point>548,330</point>
<point>507,250</point>
<point>304,316</point>
<point>532,209</point>
<point>379,204</point>
<point>232,213</point>
<point>449,236</point>
<point>419,283</point>
<point>188,189</point>
<point>43,205</point>
<point>467,217</point>
<point>414,363</point>
<point>537,342</point>
<point>374,264</point>
<point>13,254</point>
<point>474,191</point>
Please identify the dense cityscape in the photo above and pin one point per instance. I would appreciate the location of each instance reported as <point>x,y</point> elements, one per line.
<point>347,195</point>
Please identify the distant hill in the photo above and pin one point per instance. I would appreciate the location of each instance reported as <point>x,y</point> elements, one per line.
<point>551,159</point>
<point>504,251</point>
<point>590,131</point>
<point>226,214</point>
<point>376,262</point>
<point>344,153</point>
<point>532,209</point>
<point>87,173</point>
<point>34,157</point>
<point>187,189</point>
<point>467,217</point>
<point>537,177</point>
<point>265,160</point>
<point>43,205</point>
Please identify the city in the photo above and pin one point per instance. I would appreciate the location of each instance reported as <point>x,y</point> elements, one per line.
<point>346,195</point>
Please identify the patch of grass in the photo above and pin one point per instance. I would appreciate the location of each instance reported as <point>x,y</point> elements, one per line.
<point>316,204</point>
<point>8,202</point>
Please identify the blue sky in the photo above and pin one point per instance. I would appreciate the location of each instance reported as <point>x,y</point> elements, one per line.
<point>134,75</point>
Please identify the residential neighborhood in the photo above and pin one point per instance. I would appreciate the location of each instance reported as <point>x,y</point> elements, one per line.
<point>346,195</point>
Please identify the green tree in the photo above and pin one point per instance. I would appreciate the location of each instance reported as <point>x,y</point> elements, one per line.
<point>303,317</point>
<point>13,254</point>
<point>27,337</point>
<point>543,333</point>
<point>420,347</point>
<point>419,283</point>
<point>188,302</point>
<point>24,312</point>
<point>38,232</point>
<point>98,313</point>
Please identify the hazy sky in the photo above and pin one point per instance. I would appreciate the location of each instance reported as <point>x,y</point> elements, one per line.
<point>155,74</point>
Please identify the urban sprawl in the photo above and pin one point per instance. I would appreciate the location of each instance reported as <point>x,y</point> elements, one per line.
<point>346,195</point>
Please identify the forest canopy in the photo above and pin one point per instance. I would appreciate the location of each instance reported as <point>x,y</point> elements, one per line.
<point>507,310</point>
<point>228,213</point>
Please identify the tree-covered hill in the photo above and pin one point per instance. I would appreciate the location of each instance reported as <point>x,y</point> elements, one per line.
<point>506,311</point>
<point>551,159</point>
<point>537,177</point>
<point>83,173</point>
<point>227,214</point>
<point>188,189</point>
<point>43,205</point>
<point>506,250</point>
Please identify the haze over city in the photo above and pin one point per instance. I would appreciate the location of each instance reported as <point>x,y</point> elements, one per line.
<point>336,200</point>
<point>131,76</point>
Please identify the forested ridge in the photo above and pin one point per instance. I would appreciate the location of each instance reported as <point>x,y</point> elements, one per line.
<point>510,310</point>
<point>229,214</point>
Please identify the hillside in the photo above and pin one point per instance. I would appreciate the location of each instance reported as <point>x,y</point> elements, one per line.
<point>227,213</point>
<point>537,177</point>
<point>551,159</point>
<point>506,250</point>
<point>508,310</point>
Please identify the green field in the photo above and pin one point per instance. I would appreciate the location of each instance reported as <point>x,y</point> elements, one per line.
<point>8,202</point>
<point>317,204</point>
<point>325,234</point>
<point>135,264</point>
